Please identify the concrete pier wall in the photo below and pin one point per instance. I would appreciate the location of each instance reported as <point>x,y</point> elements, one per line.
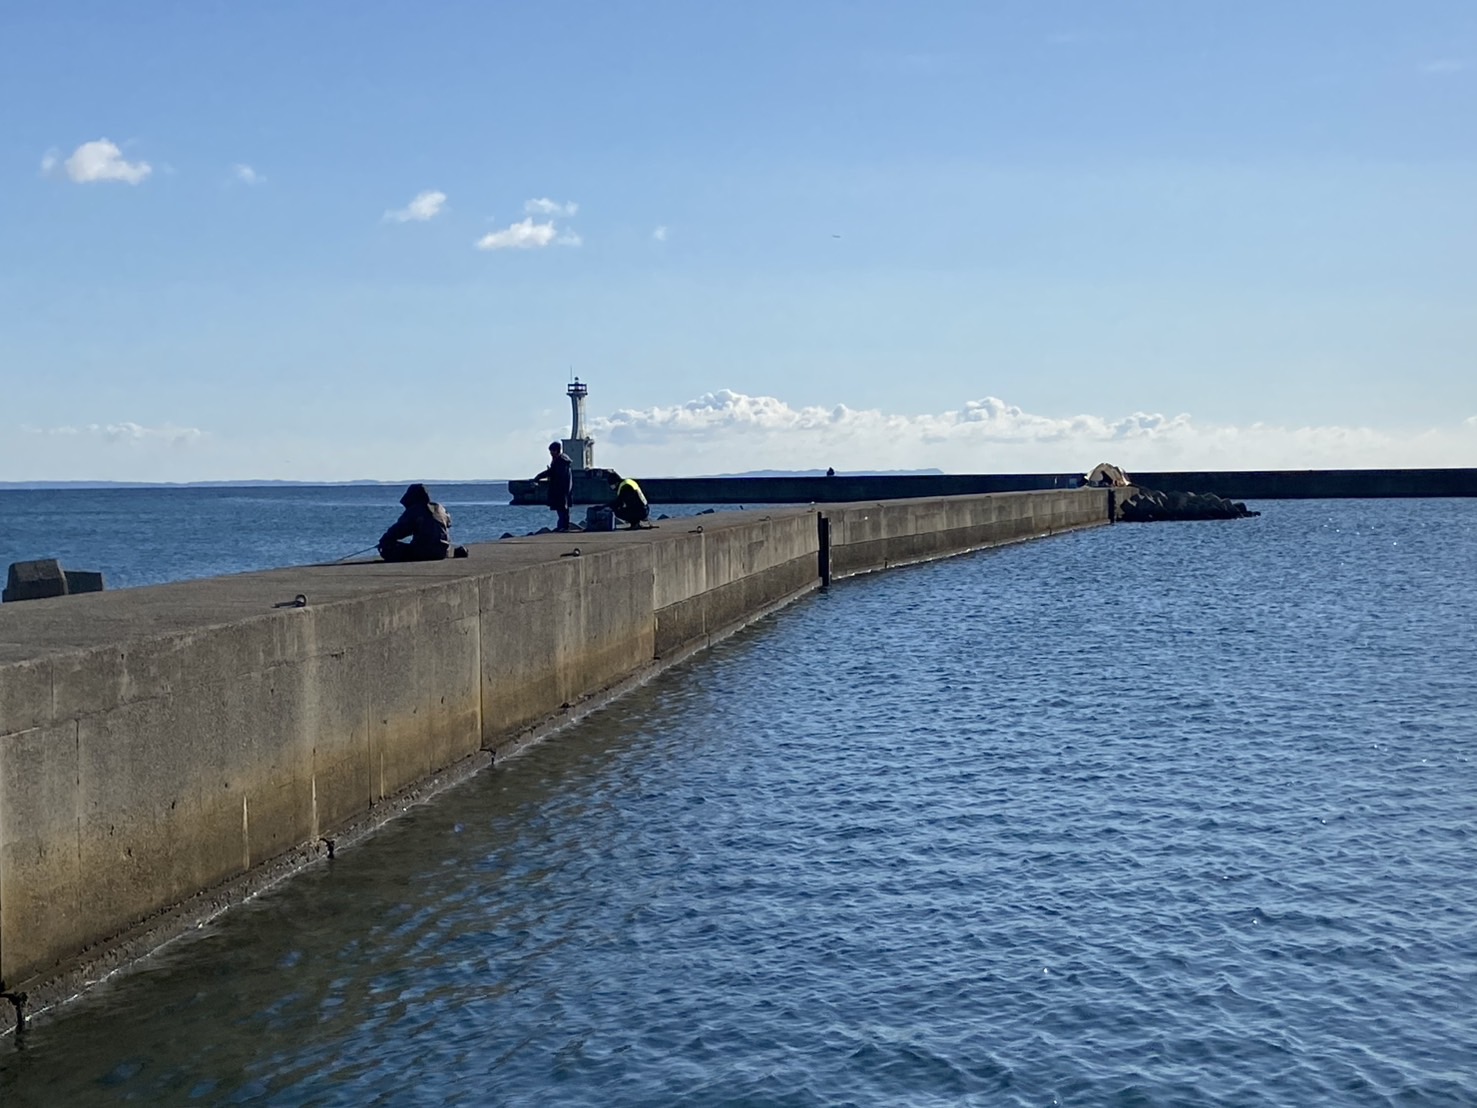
<point>867,537</point>
<point>160,745</point>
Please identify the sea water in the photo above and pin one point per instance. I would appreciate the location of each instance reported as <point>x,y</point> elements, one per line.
<point>149,535</point>
<point>1168,814</point>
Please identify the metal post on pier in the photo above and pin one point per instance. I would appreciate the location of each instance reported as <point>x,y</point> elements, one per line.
<point>823,554</point>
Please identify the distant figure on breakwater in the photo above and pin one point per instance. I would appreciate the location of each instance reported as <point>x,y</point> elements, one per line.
<point>425,523</point>
<point>630,505</point>
<point>559,490</point>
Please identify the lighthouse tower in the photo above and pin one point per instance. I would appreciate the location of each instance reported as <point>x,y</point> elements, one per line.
<point>579,447</point>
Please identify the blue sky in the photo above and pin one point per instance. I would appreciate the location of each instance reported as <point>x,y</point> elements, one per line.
<point>242,240</point>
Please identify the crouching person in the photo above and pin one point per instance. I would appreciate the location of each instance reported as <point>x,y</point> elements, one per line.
<point>425,523</point>
<point>630,505</point>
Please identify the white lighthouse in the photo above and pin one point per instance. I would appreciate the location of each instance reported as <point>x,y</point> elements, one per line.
<point>579,447</point>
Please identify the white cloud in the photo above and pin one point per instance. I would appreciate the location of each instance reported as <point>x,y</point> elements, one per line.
<point>100,160</point>
<point>1443,65</point>
<point>123,432</point>
<point>660,234</point>
<point>527,235</point>
<point>728,430</point>
<point>246,175</point>
<point>426,205</point>
<point>545,206</point>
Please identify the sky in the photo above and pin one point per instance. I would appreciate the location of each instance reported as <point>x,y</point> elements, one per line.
<point>373,240</point>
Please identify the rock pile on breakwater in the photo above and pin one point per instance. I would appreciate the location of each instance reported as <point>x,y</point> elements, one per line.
<point>1137,504</point>
<point>1152,506</point>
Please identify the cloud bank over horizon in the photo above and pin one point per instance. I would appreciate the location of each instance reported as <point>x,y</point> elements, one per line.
<point>124,431</point>
<point>738,431</point>
<point>727,431</point>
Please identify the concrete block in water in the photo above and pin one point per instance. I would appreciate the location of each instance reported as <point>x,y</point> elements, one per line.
<point>35,580</point>
<point>45,577</point>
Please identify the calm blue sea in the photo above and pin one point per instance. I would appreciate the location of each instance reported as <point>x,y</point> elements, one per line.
<point>145,536</point>
<point>1170,814</point>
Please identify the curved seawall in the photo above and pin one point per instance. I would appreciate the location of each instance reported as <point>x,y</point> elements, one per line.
<point>165,751</point>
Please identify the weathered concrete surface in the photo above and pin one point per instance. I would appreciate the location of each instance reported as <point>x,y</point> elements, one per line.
<point>157,743</point>
<point>897,532</point>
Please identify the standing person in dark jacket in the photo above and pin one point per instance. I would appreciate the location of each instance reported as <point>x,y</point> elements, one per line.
<point>560,488</point>
<point>425,523</point>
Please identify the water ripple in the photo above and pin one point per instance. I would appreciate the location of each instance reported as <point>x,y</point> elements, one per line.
<point>1172,815</point>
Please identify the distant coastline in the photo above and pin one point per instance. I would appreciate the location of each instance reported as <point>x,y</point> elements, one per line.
<point>44,485</point>
<point>9,486</point>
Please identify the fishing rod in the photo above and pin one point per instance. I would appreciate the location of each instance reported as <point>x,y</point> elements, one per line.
<point>356,554</point>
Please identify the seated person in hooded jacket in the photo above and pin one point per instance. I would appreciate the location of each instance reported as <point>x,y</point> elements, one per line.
<point>425,523</point>
<point>630,505</point>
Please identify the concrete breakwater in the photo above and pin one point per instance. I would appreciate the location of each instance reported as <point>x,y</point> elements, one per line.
<point>167,750</point>
<point>1315,484</point>
<point>597,486</point>
<point>1305,484</point>
<point>845,488</point>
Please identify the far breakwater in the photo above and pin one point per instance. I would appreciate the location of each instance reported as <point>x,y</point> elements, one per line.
<point>1315,484</point>
<point>1309,484</point>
